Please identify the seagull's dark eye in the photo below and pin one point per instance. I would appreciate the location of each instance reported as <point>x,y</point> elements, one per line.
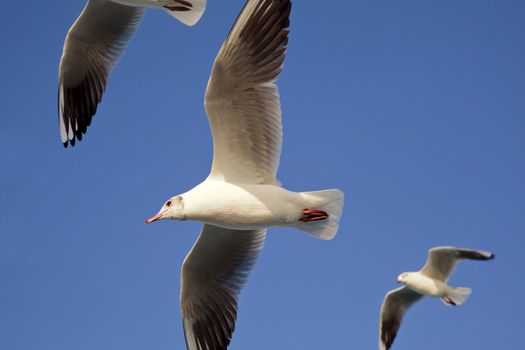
<point>168,203</point>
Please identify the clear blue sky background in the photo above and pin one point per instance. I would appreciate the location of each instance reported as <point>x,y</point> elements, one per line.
<point>415,109</point>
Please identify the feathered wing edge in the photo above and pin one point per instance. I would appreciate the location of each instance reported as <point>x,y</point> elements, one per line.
<point>92,47</point>
<point>212,277</point>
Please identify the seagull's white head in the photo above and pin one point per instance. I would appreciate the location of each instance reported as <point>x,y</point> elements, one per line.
<point>173,209</point>
<point>404,277</point>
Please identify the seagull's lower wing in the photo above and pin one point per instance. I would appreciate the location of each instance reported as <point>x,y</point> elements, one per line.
<point>442,261</point>
<point>93,45</point>
<point>212,276</point>
<point>394,306</point>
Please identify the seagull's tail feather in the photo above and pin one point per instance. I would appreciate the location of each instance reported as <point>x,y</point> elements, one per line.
<point>456,296</point>
<point>328,201</point>
<point>188,12</point>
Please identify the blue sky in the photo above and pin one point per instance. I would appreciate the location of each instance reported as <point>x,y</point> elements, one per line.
<point>415,109</point>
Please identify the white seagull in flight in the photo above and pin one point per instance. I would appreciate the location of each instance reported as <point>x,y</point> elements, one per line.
<point>241,196</point>
<point>93,45</point>
<point>431,280</point>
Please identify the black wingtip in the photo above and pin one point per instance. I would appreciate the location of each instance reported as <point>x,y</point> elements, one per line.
<point>80,105</point>
<point>487,256</point>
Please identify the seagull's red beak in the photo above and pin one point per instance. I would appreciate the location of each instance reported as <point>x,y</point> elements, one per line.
<point>153,218</point>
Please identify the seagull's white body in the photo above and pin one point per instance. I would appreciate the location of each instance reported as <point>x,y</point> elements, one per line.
<point>93,45</point>
<point>430,281</point>
<point>242,197</point>
<point>242,207</point>
<point>247,206</point>
<point>425,285</point>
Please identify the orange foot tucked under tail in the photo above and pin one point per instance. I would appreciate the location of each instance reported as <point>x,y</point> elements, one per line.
<point>313,215</point>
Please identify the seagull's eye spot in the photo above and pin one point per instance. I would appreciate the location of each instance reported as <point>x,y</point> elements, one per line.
<point>168,204</point>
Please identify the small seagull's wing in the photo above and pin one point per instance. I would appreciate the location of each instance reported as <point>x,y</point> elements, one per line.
<point>213,274</point>
<point>242,100</point>
<point>394,306</point>
<point>93,45</point>
<point>442,261</point>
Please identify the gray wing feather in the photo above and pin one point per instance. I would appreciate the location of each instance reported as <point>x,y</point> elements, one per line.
<point>395,304</point>
<point>93,45</point>
<point>213,274</point>
<point>242,100</point>
<point>442,261</point>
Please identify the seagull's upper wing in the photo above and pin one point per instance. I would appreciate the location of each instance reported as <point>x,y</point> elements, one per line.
<point>93,45</point>
<point>212,276</point>
<point>442,261</point>
<point>394,306</point>
<point>242,100</point>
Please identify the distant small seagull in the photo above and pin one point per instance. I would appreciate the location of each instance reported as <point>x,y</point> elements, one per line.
<point>241,196</point>
<point>431,280</point>
<point>93,45</point>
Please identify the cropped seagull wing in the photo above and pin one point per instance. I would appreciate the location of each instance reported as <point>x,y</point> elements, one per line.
<point>442,261</point>
<point>394,306</point>
<point>188,12</point>
<point>93,45</point>
<point>242,100</point>
<point>212,276</point>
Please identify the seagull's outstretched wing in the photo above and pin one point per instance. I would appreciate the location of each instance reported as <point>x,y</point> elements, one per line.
<point>212,276</point>
<point>442,261</point>
<point>93,45</point>
<point>394,306</point>
<point>242,100</point>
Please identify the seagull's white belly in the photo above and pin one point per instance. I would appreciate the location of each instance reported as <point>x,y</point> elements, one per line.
<point>245,207</point>
<point>426,285</point>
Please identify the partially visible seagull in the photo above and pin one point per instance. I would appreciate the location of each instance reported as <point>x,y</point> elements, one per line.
<point>431,280</point>
<point>93,45</point>
<point>241,196</point>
